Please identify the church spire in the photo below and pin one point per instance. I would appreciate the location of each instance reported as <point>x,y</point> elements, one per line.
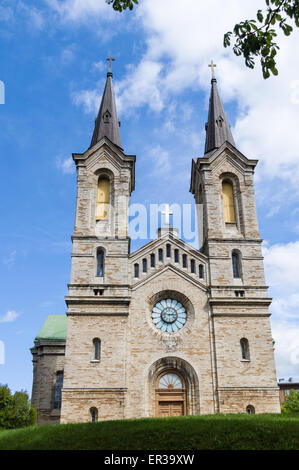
<point>106,123</point>
<point>217,128</point>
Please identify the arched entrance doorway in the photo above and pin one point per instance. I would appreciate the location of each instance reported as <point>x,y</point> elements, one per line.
<point>186,391</point>
<point>170,394</point>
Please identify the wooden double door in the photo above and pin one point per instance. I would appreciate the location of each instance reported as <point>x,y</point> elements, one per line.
<point>170,395</point>
<point>170,408</point>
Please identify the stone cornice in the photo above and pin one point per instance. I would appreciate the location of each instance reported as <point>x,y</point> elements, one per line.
<point>240,301</point>
<point>241,315</point>
<point>87,300</point>
<point>247,388</point>
<point>100,286</point>
<point>95,389</point>
<point>98,314</point>
<point>235,240</point>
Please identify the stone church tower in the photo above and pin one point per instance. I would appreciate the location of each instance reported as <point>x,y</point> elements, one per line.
<point>168,329</point>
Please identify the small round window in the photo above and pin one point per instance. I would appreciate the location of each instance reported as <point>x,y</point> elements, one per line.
<point>169,315</point>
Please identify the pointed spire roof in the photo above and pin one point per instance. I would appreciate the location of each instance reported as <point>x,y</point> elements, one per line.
<point>217,128</point>
<point>107,123</point>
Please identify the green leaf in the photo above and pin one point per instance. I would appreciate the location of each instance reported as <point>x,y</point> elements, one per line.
<point>265,51</point>
<point>274,70</point>
<point>260,16</point>
<point>226,39</point>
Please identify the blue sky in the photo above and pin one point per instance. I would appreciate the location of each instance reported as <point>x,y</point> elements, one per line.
<point>53,67</point>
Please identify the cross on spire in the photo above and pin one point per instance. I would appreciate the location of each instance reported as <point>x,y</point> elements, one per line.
<point>212,65</point>
<point>110,59</point>
<point>167,213</point>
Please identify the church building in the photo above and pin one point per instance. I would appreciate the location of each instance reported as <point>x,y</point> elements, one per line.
<point>167,330</point>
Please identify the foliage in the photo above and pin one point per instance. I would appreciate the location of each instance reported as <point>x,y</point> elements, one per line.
<point>120,5</point>
<point>291,405</point>
<point>227,432</point>
<point>16,410</point>
<point>252,40</point>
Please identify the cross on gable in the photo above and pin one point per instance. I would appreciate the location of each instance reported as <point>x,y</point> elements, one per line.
<point>167,212</point>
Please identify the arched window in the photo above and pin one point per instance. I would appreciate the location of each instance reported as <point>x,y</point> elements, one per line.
<point>184,261</point>
<point>153,261</point>
<point>100,262</point>
<point>168,250</point>
<point>250,410</point>
<point>236,264</point>
<point>103,198</point>
<point>176,255</point>
<point>170,380</point>
<point>58,388</point>
<point>245,349</point>
<point>136,270</point>
<point>96,349</point>
<point>228,203</point>
<point>144,265</point>
<point>93,414</point>
<point>200,271</point>
<point>160,254</point>
<point>192,266</point>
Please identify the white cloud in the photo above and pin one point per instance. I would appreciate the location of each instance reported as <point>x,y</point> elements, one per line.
<point>32,15</point>
<point>90,99</point>
<point>11,259</point>
<point>100,65</point>
<point>140,87</point>
<point>9,317</point>
<point>82,10</point>
<point>6,13</point>
<point>68,55</point>
<point>281,267</point>
<point>65,165</point>
<point>286,349</point>
<point>160,158</point>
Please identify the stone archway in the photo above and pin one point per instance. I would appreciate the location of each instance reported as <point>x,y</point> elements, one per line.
<point>183,399</point>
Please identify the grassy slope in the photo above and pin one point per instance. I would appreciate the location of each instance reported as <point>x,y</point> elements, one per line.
<point>189,432</point>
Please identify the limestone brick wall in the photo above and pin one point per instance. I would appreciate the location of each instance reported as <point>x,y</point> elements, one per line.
<point>232,370</point>
<point>76,405</point>
<point>234,170</point>
<point>84,261</point>
<point>48,360</point>
<point>252,266</point>
<point>103,161</point>
<point>264,400</point>
<point>81,371</point>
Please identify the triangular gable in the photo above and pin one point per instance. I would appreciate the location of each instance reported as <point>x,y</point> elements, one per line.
<point>175,269</point>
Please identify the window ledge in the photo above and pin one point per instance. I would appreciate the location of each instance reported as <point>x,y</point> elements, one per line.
<point>245,360</point>
<point>95,361</point>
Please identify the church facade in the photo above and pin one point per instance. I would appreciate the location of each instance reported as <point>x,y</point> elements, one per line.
<point>166,330</point>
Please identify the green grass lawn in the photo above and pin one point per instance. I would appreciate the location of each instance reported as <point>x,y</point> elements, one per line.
<point>252,432</point>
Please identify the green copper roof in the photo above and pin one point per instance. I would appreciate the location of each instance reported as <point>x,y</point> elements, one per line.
<point>54,329</point>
